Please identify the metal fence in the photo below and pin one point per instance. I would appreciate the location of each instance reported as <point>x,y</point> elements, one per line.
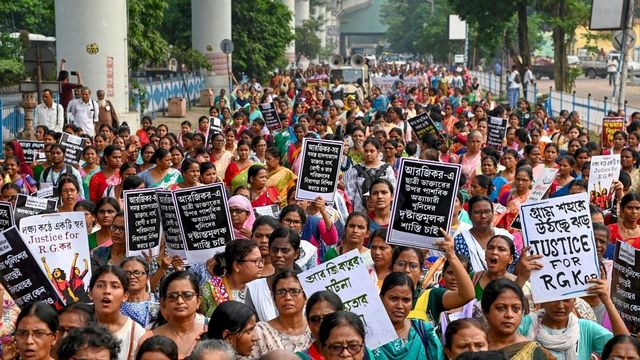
<point>591,110</point>
<point>155,94</point>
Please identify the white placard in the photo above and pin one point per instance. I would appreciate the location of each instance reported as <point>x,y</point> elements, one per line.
<point>542,183</point>
<point>560,230</point>
<point>347,276</point>
<point>59,242</point>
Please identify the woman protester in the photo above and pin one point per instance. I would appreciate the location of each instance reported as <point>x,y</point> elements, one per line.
<point>381,199</point>
<point>560,186</point>
<point>503,305</point>
<point>356,233</point>
<point>146,152</point>
<point>141,305</point>
<point>509,159</point>
<point>162,175</point>
<point>112,252</point>
<point>627,228</point>
<point>109,175</point>
<point>317,234</point>
<point>280,177</point>
<point>179,302</point>
<point>68,193</point>
<point>622,347</point>
<point>190,170</point>
<point>382,254</point>
<point>342,336</point>
<point>219,156</point>
<point>489,167</point>
<point>25,182</point>
<point>259,193</point>
<point>416,338</point>
<point>319,306</point>
<point>242,216</point>
<point>91,166</point>
<point>472,242</point>
<point>284,249</point>
<point>240,264</point>
<point>289,330</point>
<point>36,331</point>
<point>465,336</point>
<point>518,195</point>
<point>237,171</point>
<point>471,159</point>
<point>109,288</point>
<point>158,348</point>
<point>105,211</point>
<point>235,324</point>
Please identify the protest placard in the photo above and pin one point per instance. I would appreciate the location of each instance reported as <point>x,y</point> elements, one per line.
<point>423,124</point>
<point>542,183</point>
<point>6,215</point>
<point>609,127</point>
<point>270,115</point>
<point>560,230</point>
<point>625,285</point>
<point>47,191</point>
<point>204,221</point>
<point>73,146</point>
<point>497,130</point>
<point>319,169</point>
<point>605,169</point>
<point>215,127</point>
<point>142,225</point>
<point>269,210</point>
<point>58,242</point>
<point>29,206</point>
<point>31,148</point>
<point>423,202</point>
<point>347,277</point>
<point>386,83</point>
<point>174,245</point>
<point>21,275</point>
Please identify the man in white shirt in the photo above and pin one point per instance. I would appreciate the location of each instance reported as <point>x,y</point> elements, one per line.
<point>527,81</point>
<point>49,113</point>
<point>515,83</point>
<point>86,112</point>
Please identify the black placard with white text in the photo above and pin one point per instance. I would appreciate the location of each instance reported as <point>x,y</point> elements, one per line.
<point>142,221</point>
<point>319,169</point>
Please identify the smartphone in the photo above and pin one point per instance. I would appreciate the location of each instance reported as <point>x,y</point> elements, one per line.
<point>74,73</point>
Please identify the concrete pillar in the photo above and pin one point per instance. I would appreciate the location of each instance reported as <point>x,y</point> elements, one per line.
<point>290,51</point>
<point>321,12</point>
<point>302,11</point>
<point>92,36</point>
<point>210,24</point>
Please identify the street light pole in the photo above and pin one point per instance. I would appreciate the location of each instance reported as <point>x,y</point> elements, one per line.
<point>624,52</point>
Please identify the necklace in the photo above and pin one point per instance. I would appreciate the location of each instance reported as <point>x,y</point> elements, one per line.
<point>626,235</point>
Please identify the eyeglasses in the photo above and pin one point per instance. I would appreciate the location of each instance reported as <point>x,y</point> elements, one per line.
<point>116,228</point>
<point>413,266</point>
<point>38,335</point>
<point>185,295</point>
<point>293,292</point>
<point>315,319</point>
<point>237,211</point>
<point>290,222</point>
<point>256,262</point>
<point>136,273</point>
<point>337,349</point>
<point>485,212</point>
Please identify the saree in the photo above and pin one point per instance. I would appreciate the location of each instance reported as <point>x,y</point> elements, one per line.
<point>87,179</point>
<point>282,179</point>
<point>267,198</point>
<point>173,176</point>
<point>526,350</point>
<point>421,343</point>
<point>235,176</point>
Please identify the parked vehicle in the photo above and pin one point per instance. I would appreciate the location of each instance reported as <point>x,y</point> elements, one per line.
<point>546,68</point>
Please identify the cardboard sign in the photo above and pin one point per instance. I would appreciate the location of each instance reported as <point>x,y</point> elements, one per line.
<point>204,221</point>
<point>560,230</point>
<point>497,130</point>
<point>73,146</point>
<point>6,215</point>
<point>269,210</point>
<point>609,127</point>
<point>605,169</point>
<point>423,202</point>
<point>423,124</point>
<point>215,127</point>
<point>347,277</point>
<point>142,221</point>
<point>174,244</point>
<point>29,206</point>
<point>47,191</point>
<point>542,184</point>
<point>61,246</point>
<point>319,168</point>
<point>21,275</point>
<point>270,115</point>
<point>625,285</point>
<point>31,148</point>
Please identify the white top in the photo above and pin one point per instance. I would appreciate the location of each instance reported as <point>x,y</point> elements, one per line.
<point>85,115</point>
<point>127,349</point>
<point>262,299</point>
<point>51,117</point>
<point>512,80</point>
<point>528,77</point>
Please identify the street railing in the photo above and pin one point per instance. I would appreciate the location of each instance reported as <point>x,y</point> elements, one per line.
<point>156,92</point>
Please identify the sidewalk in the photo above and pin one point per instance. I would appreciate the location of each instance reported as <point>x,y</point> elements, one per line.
<point>174,122</point>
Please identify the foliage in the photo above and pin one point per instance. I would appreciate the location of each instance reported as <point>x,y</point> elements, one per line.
<point>592,38</point>
<point>307,40</point>
<point>11,68</point>
<point>328,50</point>
<point>260,33</point>
<point>146,43</point>
<point>176,24</point>
<point>36,16</point>
<point>192,58</point>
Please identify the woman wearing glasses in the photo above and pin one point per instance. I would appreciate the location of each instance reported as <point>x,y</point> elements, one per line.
<point>36,331</point>
<point>179,301</point>
<point>112,252</point>
<point>341,336</point>
<point>240,263</point>
<point>289,330</point>
<point>142,306</point>
<point>109,287</point>
<point>319,305</point>
<point>242,216</point>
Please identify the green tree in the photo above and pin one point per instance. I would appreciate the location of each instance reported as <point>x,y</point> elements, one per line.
<point>176,24</point>
<point>35,16</point>
<point>11,68</point>
<point>260,33</point>
<point>307,41</point>
<point>147,45</point>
